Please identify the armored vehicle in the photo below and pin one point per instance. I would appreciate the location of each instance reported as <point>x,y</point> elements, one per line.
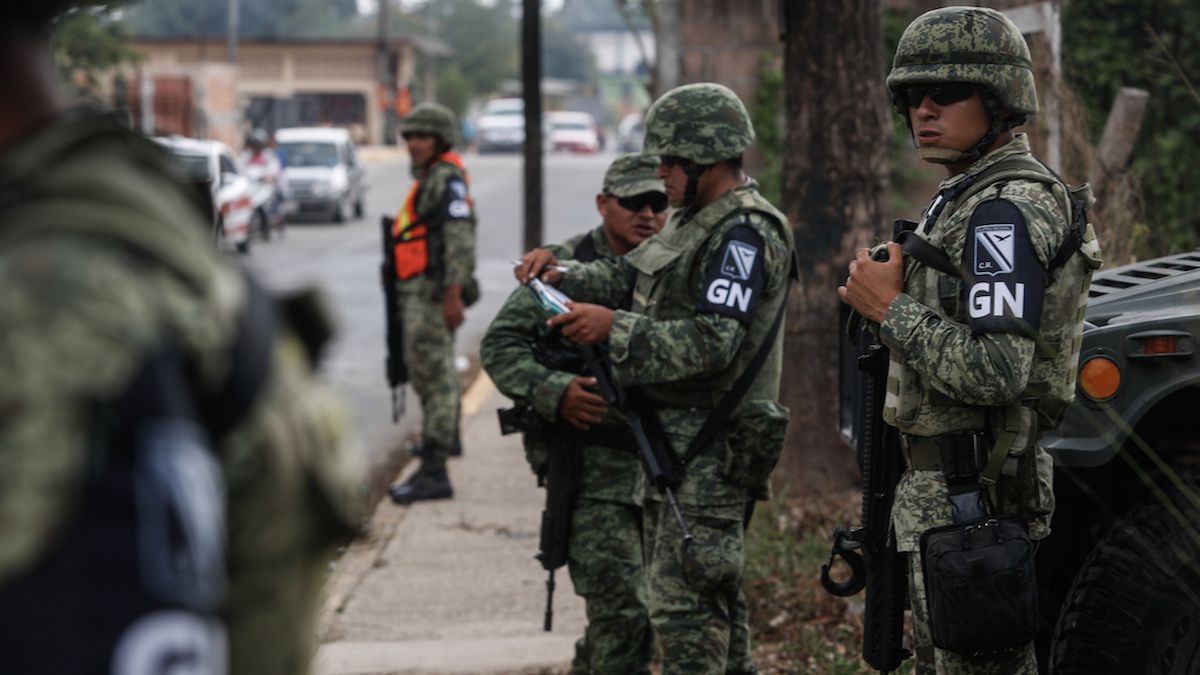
<point>1120,572</point>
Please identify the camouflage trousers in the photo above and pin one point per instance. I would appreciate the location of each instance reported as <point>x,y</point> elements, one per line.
<point>604,557</point>
<point>1020,662</point>
<point>696,600</point>
<point>429,353</point>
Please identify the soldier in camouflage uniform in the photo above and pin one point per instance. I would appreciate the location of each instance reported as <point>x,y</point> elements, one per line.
<point>605,541</point>
<point>993,348</point>
<point>436,263</point>
<point>173,477</point>
<point>706,292</point>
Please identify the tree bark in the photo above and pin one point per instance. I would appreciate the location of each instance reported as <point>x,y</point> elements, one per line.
<point>834,183</point>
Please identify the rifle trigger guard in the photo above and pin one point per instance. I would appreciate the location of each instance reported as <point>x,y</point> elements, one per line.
<point>843,546</point>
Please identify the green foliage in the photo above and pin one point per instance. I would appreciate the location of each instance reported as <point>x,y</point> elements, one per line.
<point>86,44</point>
<point>766,112</point>
<point>453,90</point>
<point>1154,45</point>
<point>563,54</point>
<point>486,40</point>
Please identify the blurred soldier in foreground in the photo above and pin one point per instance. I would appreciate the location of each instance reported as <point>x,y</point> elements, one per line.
<point>700,343</point>
<point>981,310</point>
<point>549,378</point>
<point>173,479</point>
<point>434,251</point>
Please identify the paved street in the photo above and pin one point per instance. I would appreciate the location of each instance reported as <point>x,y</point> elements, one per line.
<point>444,587</point>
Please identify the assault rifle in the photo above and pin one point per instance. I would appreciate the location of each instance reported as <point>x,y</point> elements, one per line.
<point>564,468</point>
<point>394,366</point>
<point>869,550</point>
<point>661,468</point>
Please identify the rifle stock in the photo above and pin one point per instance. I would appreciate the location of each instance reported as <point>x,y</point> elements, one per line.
<point>395,368</point>
<point>869,550</point>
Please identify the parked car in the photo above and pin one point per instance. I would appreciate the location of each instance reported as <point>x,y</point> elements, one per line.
<point>572,132</point>
<point>630,132</point>
<point>212,162</point>
<point>501,125</point>
<point>322,174</point>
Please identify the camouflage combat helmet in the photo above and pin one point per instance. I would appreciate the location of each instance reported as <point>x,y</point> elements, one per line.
<point>967,44</point>
<point>704,123</point>
<point>432,118</point>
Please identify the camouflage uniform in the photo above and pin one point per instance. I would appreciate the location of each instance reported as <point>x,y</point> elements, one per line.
<point>444,202</point>
<point>957,365</point>
<point>683,346</point>
<point>104,263</point>
<point>605,557</point>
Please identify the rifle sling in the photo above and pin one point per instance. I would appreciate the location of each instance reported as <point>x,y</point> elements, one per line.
<point>720,414</point>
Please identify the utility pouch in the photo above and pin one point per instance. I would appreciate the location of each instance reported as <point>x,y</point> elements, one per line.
<point>412,251</point>
<point>980,585</point>
<point>522,419</point>
<point>753,443</point>
<point>470,292</point>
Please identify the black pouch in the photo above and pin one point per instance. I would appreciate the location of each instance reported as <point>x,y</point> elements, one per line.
<point>980,585</point>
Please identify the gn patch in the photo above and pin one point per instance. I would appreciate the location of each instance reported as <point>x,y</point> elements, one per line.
<point>1003,280</point>
<point>457,204</point>
<point>734,280</point>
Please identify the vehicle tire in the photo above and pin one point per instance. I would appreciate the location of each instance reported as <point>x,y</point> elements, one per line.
<point>358,208</point>
<point>219,233</point>
<point>1135,605</point>
<point>339,212</point>
<point>243,247</point>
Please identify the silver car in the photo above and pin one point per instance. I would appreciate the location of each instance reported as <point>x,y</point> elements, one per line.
<point>322,176</point>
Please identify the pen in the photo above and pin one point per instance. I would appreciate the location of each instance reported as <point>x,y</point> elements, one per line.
<point>553,268</point>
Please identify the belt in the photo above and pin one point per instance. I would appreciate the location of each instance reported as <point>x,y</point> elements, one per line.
<point>930,453</point>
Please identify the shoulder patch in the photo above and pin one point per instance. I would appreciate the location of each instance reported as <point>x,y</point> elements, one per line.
<point>1003,279</point>
<point>733,284</point>
<point>458,206</point>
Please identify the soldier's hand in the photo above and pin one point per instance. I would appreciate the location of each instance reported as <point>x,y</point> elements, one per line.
<point>453,306</point>
<point>585,324</point>
<point>580,407</point>
<point>872,285</point>
<point>533,265</point>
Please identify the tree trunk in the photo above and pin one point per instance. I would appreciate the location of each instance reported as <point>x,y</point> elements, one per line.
<point>834,183</point>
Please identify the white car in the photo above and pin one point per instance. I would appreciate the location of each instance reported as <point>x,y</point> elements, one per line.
<point>501,125</point>
<point>322,174</point>
<point>572,132</point>
<point>212,162</point>
<point>630,133</point>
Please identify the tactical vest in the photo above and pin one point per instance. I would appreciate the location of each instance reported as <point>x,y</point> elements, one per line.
<point>420,246</point>
<point>670,274</point>
<point>135,580</point>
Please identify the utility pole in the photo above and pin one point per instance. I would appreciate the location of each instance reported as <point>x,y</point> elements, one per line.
<point>669,60</point>
<point>531,78</point>
<point>387,75</point>
<point>231,31</point>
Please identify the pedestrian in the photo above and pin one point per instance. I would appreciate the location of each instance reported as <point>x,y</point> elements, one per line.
<point>435,264</point>
<point>985,332</point>
<point>542,371</point>
<point>174,477</point>
<point>700,344</point>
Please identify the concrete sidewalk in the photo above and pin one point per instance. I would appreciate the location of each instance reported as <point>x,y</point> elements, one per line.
<point>451,586</point>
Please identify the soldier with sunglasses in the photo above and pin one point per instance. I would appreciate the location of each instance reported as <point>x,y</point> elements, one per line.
<point>981,309</point>
<point>544,373</point>
<point>700,344</point>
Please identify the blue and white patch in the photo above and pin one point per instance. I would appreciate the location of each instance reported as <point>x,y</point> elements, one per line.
<point>994,249</point>
<point>457,204</point>
<point>1003,279</point>
<point>734,280</point>
<point>738,260</point>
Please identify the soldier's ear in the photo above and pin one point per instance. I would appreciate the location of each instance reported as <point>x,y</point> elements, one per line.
<point>601,204</point>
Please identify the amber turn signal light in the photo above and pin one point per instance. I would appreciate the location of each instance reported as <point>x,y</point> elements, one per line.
<point>1100,378</point>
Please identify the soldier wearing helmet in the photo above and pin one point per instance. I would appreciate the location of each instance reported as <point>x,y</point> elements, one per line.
<point>175,478</point>
<point>435,256</point>
<point>981,309</point>
<point>707,298</point>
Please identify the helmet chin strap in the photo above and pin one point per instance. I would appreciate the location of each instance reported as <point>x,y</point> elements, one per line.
<point>693,171</point>
<point>998,125</point>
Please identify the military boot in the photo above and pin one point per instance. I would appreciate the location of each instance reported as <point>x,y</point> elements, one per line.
<point>419,450</point>
<point>429,482</point>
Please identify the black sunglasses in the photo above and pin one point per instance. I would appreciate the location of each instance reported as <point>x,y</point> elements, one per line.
<point>942,94</point>
<point>657,202</point>
<point>670,161</point>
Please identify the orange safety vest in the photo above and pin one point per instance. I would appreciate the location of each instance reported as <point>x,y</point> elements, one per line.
<point>411,234</point>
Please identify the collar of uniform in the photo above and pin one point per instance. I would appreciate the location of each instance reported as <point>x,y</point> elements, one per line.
<point>715,211</point>
<point>603,250</point>
<point>1017,146</point>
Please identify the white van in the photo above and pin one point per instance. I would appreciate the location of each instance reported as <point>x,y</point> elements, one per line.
<point>322,174</point>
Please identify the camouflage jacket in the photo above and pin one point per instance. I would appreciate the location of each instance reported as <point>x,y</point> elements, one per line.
<point>969,352</point>
<point>444,202</point>
<point>103,261</point>
<point>507,353</point>
<point>705,292</point>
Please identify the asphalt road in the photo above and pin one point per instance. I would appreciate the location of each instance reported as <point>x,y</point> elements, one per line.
<point>343,260</point>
